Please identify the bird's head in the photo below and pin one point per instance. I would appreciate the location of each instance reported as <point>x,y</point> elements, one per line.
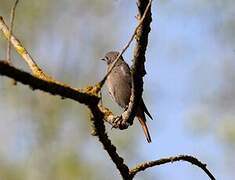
<point>110,57</point>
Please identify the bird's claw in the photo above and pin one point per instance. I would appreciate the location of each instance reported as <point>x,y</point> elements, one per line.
<point>119,123</point>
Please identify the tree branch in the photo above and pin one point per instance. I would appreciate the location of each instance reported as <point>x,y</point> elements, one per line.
<point>11,30</point>
<point>84,96</point>
<point>99,130</point>
<point>191,159</point>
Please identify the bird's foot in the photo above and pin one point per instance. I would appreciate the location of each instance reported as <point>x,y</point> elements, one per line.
<point>119,123</point>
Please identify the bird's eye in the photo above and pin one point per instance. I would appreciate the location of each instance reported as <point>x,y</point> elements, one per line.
<point>105,58</point>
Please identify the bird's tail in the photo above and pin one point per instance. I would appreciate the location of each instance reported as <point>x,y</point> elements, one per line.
<point>141,117</point>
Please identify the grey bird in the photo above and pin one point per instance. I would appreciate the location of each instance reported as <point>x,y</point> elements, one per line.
<point>119,87</point>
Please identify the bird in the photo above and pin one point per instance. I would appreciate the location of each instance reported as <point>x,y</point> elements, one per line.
<point>119,83</point>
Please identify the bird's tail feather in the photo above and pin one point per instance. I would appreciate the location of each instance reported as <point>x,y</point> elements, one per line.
<point>142,120</point>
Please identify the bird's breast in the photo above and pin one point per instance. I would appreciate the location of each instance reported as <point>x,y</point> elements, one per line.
<point>119,86</point>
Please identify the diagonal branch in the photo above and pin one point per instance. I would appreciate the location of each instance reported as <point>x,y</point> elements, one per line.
<point>191,159</point>
<point>11,30</point>
<point>22,51</point>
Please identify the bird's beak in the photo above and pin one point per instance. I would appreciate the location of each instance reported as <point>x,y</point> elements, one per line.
<point>103,59</point>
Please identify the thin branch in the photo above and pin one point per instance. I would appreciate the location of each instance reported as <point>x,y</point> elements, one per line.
<point>11,30</point>
<point>191,159</point>
<point>22,51</point>
<point>101,83</point>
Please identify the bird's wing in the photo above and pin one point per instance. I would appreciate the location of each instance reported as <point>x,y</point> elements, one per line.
<point>142,105</point>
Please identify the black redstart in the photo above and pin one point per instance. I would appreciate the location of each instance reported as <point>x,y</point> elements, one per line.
<point>119,87</point>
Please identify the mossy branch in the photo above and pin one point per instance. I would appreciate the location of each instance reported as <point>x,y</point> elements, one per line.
<point>99,130</point>
<point>83,96</point>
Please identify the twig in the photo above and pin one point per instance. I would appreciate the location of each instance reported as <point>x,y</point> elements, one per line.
<point>11,30</point>
<point>22,51</point>
<point>191,159</point>
<point>8,58</point>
